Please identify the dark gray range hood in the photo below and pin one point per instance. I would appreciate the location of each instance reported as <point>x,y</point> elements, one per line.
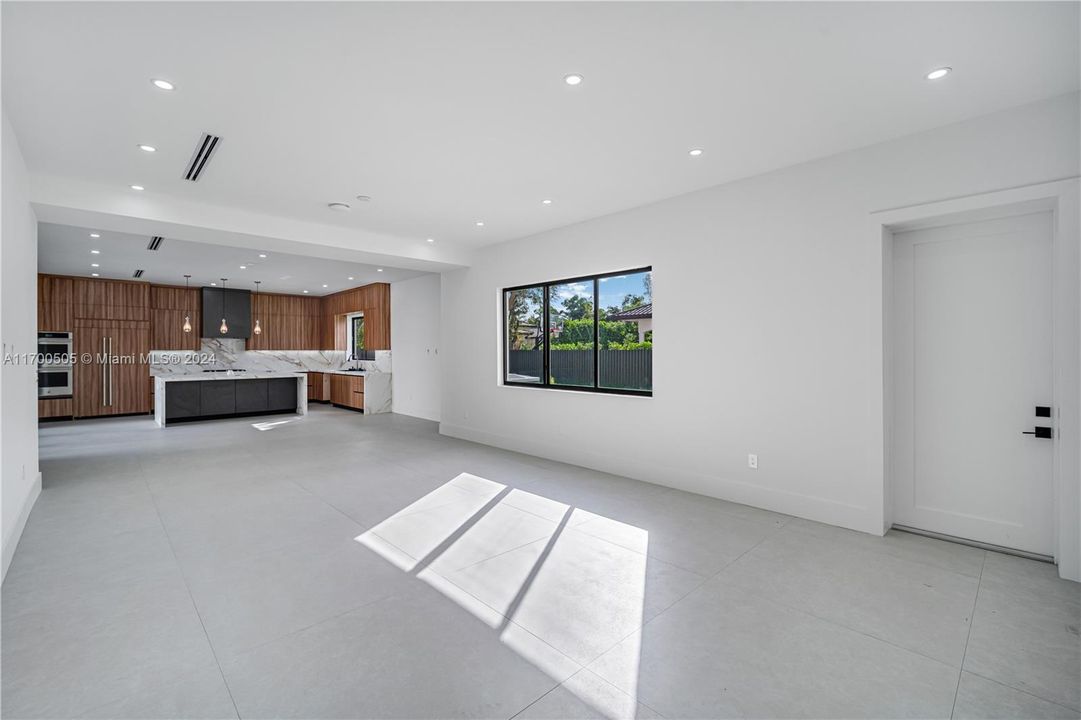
<point>232,305</point>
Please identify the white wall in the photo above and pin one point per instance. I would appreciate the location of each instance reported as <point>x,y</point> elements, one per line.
<point>414,338</point>
<point>769,340</point>
<point>19,477</point>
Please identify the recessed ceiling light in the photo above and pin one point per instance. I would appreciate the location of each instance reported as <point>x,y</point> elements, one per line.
<point>95,252</point>
<point>695,152</point>
<point>137,187</point>
<point>546,202</point>
<point>364,198</point>
<point>573,79</point>
<point>379,269</point>
<point>431,240</point>
<point>95,275</point>
<point>480,223</point>
<point>95,235</point>
<point>325,285</point>
<point>163,84</point>
<point>939,73</point>
<point>148,148</point>
<point>95,265</point>
<point>262,255</point>
<point>338,206</point>
<point>243,267</point>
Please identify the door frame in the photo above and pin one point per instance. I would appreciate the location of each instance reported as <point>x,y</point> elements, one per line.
<point>1063,199</point>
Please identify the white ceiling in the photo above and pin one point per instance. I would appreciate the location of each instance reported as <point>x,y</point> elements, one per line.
<point>65,250</point>
<point>450,113</point>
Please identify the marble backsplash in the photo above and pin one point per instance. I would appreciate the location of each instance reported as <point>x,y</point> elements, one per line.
<point>228,353</point>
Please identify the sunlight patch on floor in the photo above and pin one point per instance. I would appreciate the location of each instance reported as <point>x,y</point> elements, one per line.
<point>502,554</point>
<point>271,424</point>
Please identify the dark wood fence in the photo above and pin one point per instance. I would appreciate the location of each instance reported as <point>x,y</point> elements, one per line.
<point>526,365</point>
<point>623,369</point>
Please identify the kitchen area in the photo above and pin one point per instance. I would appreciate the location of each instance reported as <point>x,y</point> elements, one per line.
<point>181,353</point>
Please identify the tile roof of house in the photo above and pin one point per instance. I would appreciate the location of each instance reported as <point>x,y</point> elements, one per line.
<point>642,312</point>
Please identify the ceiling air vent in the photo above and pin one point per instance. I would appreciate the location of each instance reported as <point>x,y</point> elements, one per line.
<point>137,274</point>
<point>203,150</point>
<point>155,242</point>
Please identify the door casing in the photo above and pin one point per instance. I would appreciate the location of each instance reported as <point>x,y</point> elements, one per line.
<point>1063,199</point>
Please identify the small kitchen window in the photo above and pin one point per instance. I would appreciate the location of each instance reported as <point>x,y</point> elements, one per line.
<point>356,336</point>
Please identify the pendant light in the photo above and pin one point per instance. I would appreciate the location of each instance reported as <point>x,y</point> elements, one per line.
<point>224,327</point>
<point>187,317</point>
<point>257,330</point>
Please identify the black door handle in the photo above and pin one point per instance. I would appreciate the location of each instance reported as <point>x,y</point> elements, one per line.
<point>1040,432</point>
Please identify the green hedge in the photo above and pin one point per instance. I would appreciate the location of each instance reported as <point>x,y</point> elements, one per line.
<point>578,334</point>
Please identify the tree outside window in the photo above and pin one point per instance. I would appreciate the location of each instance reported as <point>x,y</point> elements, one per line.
<point>357,335</point>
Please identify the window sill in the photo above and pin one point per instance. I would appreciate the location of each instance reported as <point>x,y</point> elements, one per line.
<point>577,391</point>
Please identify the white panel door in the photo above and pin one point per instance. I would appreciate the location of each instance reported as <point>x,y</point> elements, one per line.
<point>971,361</point>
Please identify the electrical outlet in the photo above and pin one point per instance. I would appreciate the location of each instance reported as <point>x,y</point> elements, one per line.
<point>752,462</point>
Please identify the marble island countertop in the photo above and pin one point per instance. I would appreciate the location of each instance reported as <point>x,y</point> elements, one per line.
<point>352,372</point>
<point>250,375</point>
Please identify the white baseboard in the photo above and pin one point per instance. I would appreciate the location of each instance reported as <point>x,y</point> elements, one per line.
<point>433,417</point>
<point>12,540</point>
<point>810,507</point>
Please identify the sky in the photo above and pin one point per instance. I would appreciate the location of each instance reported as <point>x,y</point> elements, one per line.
<point>613,290</point>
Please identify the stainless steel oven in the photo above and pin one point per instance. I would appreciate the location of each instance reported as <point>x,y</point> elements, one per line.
<point>55,364</point>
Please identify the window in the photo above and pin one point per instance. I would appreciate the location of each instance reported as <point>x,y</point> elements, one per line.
<point>524,335</point>
<point>571,334</point>
<point>593,333</point>
<point>356,336</point>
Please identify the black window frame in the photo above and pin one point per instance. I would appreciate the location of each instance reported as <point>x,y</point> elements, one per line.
<point>546,378</point>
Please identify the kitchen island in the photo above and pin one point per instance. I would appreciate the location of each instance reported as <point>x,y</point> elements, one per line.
<point>207,395</point>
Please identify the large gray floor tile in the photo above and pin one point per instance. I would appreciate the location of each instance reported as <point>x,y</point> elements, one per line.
<point>420,655</point>
<point>1025,632</point>
<point>200,696</point>
<point>913,605</point>
<point>179,500</point>
<point>373,492</point>
<point>907,546</point>
<point>689,531</point>
<point>721,652</point>
<point>982,699</point>
<point>586,696</point>
<point>62,671</point>
<point>52,565</point>
<point>91,516</point>
<point>244,530</point>
<point>1029,580</point>
<point>79,606</point>
<point>256,599</point>
<point>576,592</point>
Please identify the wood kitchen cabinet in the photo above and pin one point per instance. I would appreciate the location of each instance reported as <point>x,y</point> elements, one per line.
<point>54,303</point>
<point>168,308</point>
<point>288,322</point>
<point>347,391</point>
<point>373,300</point>
<point>110,299</point>
<point>114,382</point>
<point>315,387</point>
<point>54,407</point>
